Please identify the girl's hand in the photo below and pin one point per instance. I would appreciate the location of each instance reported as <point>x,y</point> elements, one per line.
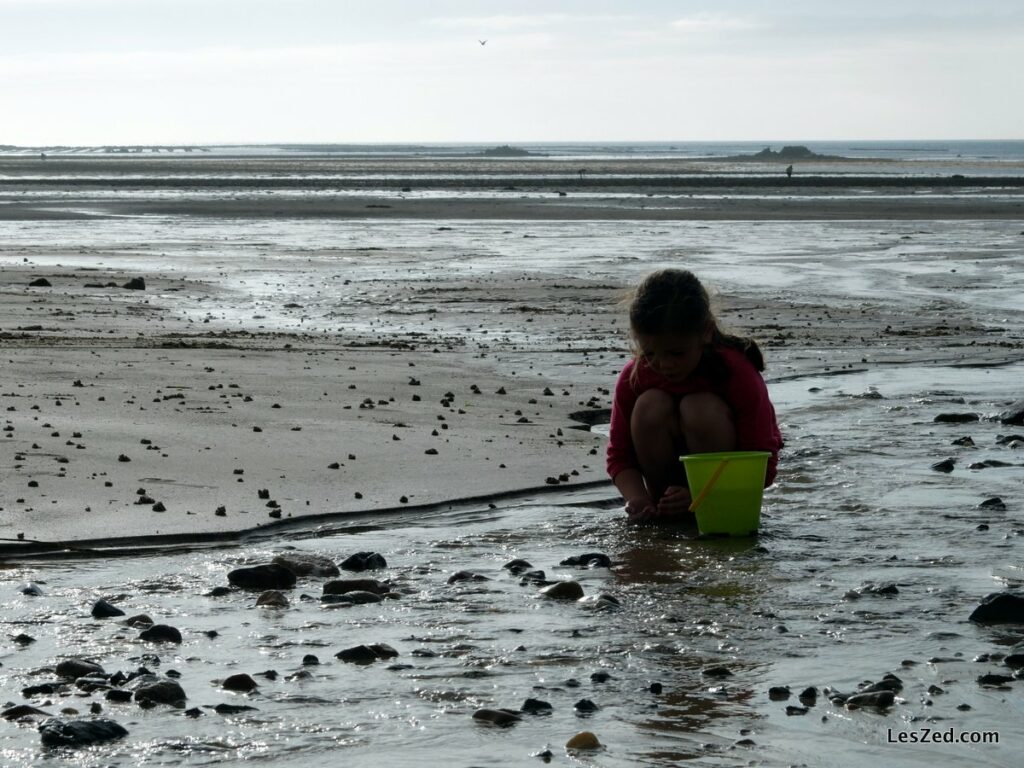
<point>640,509</point>
<point>676,501</point>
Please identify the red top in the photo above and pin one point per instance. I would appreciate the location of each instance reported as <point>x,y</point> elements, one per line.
<point>741,387</point>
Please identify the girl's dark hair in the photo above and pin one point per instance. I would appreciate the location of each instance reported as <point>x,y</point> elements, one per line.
<point>674,301</point>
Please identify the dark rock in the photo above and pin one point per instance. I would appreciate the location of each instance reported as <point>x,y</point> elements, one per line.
<point>309,660</point>
<point>161,633</point>
<point>563,590</point>
<point>946,465</point>
<point>1009,439</point>
<point>655,688</point>
<point>500,717</point>
<point>367,654</point>
<point>992,680</point>
<point>79,733</point>
<point>22,639</point>
<point>40,282</point>
<point>995,503</point>
<point>306,564</point>
<point>46,689</point>
<point>534,577</point>
<point>778,693</point>
<point>24,710</point>
<point>101,609</point>
<point>809,695</point>
<point>219,592</point>
<point>585,706</point>
<point>239,682</point>
<point>272,599</point>
<point>1014,661</point>
<point>193,713</point>
<point>232,709</point>
<point>792,710</point>
<point>873,699</point>
<point>355,597</point>
<point>536,707</point>
<point>343,586</point>
<point>270,576</point>
<point>364,561</point>
<point>717,672</point>
<point>956,418</point>
<point>967,441</point>
<point>589,560</point>
<point>31,589</point>
<point>139,620</point>
<point>600,677</point>
<point>1014,414</point>
<point>135,284</point>
<point>458,576</point>
<point>999,608</point>
<point>158,690</point>
<point>118,695</point>
<point>515,567</point>
<point>76,668</point>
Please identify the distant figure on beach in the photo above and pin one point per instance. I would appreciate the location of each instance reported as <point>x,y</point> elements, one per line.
<point>789,171</point>
<point>690,388</point>
<point>482,42</point>
<point>582,171</point>
<point>42,155</point>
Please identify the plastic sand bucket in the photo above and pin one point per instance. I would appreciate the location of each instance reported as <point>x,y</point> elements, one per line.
<point>727,489</point>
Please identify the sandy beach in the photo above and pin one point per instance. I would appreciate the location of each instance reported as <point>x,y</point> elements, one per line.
<point>304,373</point>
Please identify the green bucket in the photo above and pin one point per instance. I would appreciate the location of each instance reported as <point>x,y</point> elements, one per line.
<point>732,503</point>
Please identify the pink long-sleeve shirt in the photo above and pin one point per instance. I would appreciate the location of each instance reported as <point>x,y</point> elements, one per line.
<point>741,387</point>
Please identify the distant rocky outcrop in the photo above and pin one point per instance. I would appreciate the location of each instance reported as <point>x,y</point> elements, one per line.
<point>787,154</point>
<point>507,151</point>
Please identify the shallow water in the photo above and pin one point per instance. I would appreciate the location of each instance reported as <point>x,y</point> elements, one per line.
<point>856,503</point>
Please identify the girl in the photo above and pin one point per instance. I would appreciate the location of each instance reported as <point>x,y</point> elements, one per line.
<point>690,388</point>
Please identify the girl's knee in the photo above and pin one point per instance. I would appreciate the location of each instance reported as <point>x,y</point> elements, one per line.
<point>653,409</point>
<point>705,410</point>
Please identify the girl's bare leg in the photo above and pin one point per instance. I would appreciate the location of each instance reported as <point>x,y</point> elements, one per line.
<point>706,423</point>
<point>657,439</point>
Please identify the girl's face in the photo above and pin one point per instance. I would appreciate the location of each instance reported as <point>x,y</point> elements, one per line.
<point>674,355</point>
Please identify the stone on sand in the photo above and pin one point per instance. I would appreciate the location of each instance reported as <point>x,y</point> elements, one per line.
<point>79,733</point>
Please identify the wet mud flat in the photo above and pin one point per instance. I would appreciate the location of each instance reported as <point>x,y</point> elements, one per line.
<point>281,346</point>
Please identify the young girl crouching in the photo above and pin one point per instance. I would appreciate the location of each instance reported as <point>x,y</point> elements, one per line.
<point>690,388</point>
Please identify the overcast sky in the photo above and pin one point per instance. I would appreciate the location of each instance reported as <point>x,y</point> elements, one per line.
<point>206,71</point>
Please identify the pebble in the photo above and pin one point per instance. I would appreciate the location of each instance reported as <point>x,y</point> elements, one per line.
<point>22,710</point>
<point>355,597</point>
<point>585,706</point>
<point>583,740</point>
<point>101,609</point>
<point>778,693</point>
<point>232,709</point>
<point>307,564</point>
<point>589,560</point>
<point>946,465</point>
<point>31,589</point>
<point>563,590</point>
<point>161,633</point>
<point>999,608</point>
<point>79,733</point>
<point>270,576</point>
<point>517,566</point>
<point>364,561</point>
<point>1014,414</point>
<point>343,586</point>
<point>272,599</point>
<point>956,418</point>
<point>994,502</point>
<point>873,699</point>
<point>500,717</point>
<point>240,682</point>
<point>76,668</point>
<point>367,654</point>
<point>792,710</point>
<point>458,576</point>
<point>536,707</point>
<point>156,690</point>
